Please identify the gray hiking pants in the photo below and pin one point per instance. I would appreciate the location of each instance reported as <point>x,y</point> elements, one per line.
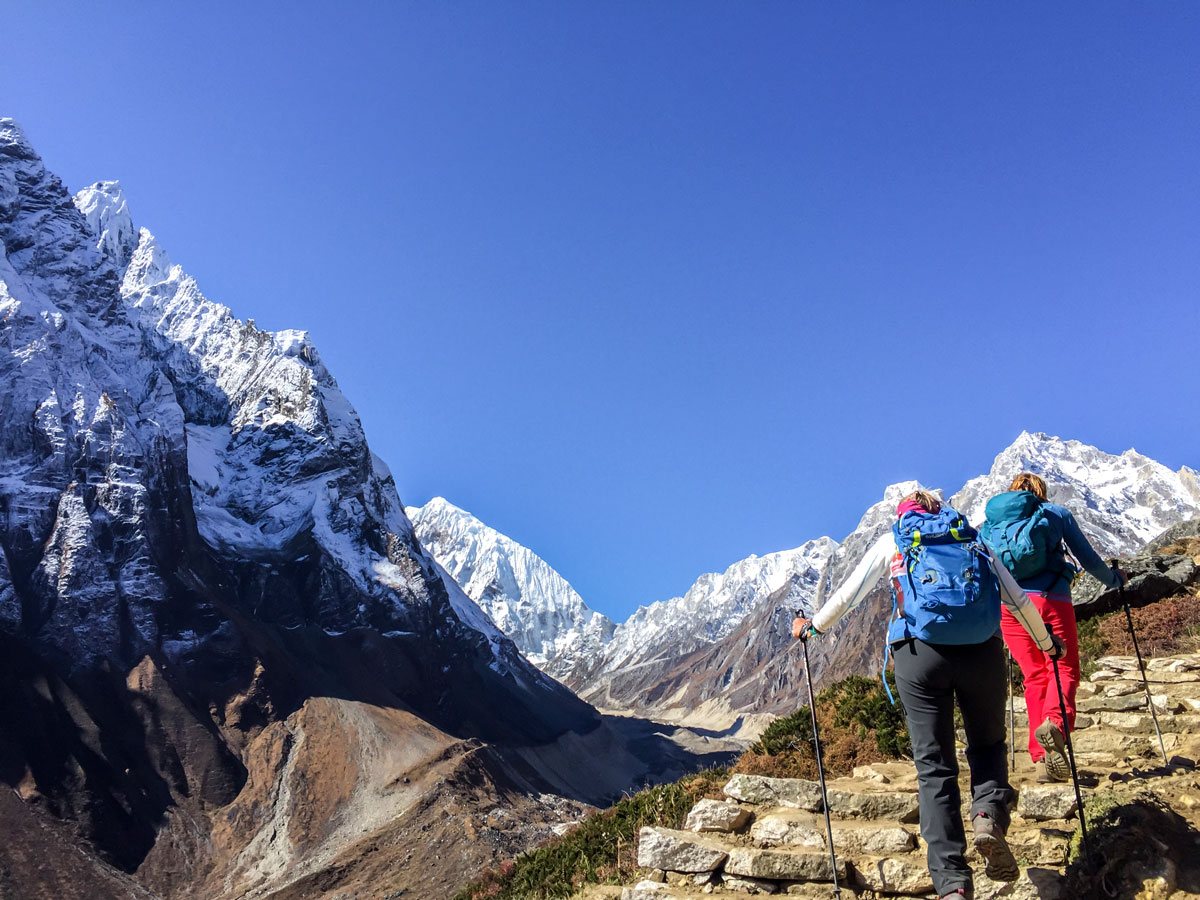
<point>930,678</point>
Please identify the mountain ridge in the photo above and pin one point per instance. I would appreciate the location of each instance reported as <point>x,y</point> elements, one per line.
<point>1121,501</point>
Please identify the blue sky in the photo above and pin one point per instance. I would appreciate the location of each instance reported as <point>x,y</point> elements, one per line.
<point>652,286</point>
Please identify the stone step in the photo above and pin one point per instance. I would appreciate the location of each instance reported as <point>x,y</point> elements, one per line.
<point>795,828</point>
<point>893,875</point>
<point>797,793</point>
<point>679,851</point>
<point>782,864</point>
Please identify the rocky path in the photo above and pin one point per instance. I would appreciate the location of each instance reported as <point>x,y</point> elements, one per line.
<point>767,835</point>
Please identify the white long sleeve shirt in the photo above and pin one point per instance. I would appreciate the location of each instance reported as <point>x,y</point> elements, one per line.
<point>874,566</point>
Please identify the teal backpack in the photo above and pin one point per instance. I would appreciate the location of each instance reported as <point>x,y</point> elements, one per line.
<point>1021,535</point>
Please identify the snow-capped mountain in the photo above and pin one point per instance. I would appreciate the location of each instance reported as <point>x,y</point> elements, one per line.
<point>201,563</point>
<point>1120,501</point>
<point>713,647</point>
<point>524,596</point>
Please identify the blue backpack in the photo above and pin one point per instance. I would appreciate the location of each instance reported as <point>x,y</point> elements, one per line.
<point>1021,535</point>
<point>946,591</point>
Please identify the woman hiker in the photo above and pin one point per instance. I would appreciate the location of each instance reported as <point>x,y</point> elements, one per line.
<point>1027,534</point>
<point>948,589</point>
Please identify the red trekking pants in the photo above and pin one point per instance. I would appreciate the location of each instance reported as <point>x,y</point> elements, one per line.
<point>1041,695</point>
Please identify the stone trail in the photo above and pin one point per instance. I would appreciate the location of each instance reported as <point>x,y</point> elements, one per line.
<point>768,835</point>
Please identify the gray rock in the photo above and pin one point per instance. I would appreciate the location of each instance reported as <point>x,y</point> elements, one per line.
<point>1177,532</point>
<point>899,805</point>
<point>1032,884</point>
<point>678,851</point>
<point>1125,703</point>
<point>647,890</point>
<point>895,876</point>
<point>793,792</point>
<point>1150,579</point>
<point>750,885</point>
<point>713,815</point>
<point>781,865</point>
<point>1132,723</point>
<point>1052,801</point>
<point>780,830</point>
<point>796,830</point>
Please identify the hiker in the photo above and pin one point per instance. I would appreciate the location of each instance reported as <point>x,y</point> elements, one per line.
<point>1027,534</point>
<point>948,589</point>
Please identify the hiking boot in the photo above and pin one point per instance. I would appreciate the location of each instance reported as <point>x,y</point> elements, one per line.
<point>957,894</point>
<point>1050,737</point>
<point>1043,777</point>
<point>990,842</point>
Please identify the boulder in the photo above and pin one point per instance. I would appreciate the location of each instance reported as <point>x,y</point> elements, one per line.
<point>870,773</point>
<point>1150,579</point>
<point>1051,801</point>
<point>794,792</point>
<point>750,885</point>
<point>1032,884</point>
<point>899,805</point>
<point>647,890</point>
<point>1177,532</point>
<point>780,829</point>
<point>777,830</point>
<point>1132,723</point>
<point>894,876</point>
<point>1113,704</point>
<point>781,865</point>
<point>678,851</point>
<point>1174,664</point>
<point>713,815</point>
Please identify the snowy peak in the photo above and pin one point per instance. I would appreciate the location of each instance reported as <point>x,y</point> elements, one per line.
<point>123,382</point>
<point>526,598</point>
<point>1121,500</point>
<point>107,215</point>
<point>716,604</point>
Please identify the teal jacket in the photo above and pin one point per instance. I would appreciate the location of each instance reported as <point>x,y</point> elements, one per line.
<point>1057,579</point>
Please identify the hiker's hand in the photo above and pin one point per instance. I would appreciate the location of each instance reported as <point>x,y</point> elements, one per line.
<point>1122,578</point>
<point>1059,650</point>
<point>802,629</point>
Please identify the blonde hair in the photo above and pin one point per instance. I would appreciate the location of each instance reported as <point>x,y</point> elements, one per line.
<point>927,501</point>
<point>1027,481</point>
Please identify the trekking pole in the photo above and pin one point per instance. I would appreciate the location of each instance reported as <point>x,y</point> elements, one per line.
<point>1012,745</point>
<point>812,708</point>
<point>1141,665</point>
<point>1062,708</point>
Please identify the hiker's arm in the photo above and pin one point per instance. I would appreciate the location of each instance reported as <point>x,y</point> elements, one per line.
<point>1088,557</point>
<point>1018,603</point>
<point>862,580</point>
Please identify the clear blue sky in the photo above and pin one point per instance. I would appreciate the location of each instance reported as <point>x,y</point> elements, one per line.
<point>652,286</point>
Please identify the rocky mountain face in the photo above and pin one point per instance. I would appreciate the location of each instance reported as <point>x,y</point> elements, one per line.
<point>230,668</point>
<point>723,655</point>
<point>527,599</point>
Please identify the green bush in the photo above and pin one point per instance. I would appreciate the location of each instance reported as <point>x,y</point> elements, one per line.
<point>862,703</point>
<point>791,732</point>
<point>858,725</point>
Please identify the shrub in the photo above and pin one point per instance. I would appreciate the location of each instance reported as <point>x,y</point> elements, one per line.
<point>1168,626</point>
<point>858,725</point>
